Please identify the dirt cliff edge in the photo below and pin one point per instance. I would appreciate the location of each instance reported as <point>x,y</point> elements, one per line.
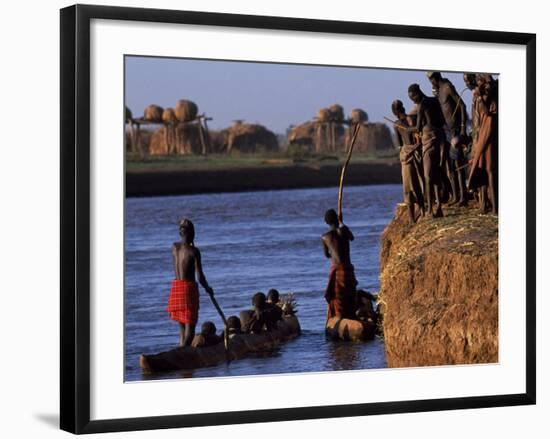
<point>439,289</point>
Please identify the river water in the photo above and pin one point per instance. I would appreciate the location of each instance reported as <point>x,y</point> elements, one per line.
<point>251,241</point>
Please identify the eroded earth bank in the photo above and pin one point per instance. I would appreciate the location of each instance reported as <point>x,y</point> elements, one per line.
<point>439,289</point>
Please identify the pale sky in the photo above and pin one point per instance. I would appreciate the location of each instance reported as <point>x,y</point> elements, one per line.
<point>274,95</point>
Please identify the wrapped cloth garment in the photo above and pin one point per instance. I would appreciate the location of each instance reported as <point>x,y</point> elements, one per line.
<point>412,178</point>
<point>183,302</point>
<point>485,149</point>
<point>340,292</point>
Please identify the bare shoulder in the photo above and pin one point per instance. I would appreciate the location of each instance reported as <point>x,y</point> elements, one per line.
<point>176,246</point>
<point>344,231</point>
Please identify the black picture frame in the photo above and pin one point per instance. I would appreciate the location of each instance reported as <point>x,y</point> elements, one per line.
<point>75,217</point>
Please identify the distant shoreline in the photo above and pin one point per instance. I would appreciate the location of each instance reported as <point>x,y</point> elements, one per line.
<point>154,182</point>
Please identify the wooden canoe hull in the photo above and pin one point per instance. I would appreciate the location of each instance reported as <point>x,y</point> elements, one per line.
<point>350,330</point>
<point>240,346</point>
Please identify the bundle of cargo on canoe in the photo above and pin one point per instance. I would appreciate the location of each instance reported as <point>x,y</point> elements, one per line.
<point>240,346</point>
<point>350,330</point>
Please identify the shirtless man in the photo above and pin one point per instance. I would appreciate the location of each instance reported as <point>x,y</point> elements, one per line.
<point>340,292</point>
<point>429,123</point>
<point>409,156</point>
<point>454,112</point>
<point>183,303</point>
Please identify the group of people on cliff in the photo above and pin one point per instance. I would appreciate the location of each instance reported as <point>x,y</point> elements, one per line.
<point>446,156</point>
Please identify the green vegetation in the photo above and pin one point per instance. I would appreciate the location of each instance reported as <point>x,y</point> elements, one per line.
<point>291,157</point>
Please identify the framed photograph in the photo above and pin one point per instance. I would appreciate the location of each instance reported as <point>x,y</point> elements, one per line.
<point>275,218</point>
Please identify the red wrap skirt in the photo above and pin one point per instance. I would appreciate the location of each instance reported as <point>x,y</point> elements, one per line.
<point>340,292</point>
<point>183,303</point>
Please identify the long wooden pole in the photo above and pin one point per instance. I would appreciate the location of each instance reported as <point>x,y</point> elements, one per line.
<point>201,137</point>
<point>397,124</point>
<point>343,173</point>
<point>207,133</point>
<point>458,103</point>
<point>226,331</point>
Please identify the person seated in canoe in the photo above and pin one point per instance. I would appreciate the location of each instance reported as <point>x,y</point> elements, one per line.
<point>207,336</point>
<point>253,320</point>
<point>273,306</point>
<point>365,310</point>
<point>233,327</point>
<point>340,291</point>
<point>183,302</point>
<point>261,316</point>
<point>273,297</point>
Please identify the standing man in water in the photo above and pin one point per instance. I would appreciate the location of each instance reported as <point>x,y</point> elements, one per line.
<point>183,303</point>
<point>340,292</point>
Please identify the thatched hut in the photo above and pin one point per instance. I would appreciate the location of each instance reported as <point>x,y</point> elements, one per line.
<point>170,121</point>
<point>187,140</point>
<point>303,135</point>
<point>371,138</point>
<point>323,115</point>
<point>336,112</point>
<point>358,115</point>
<point>157,143</point>
<point>217,140</point>
<point>186,111</point>
<point>169,116</point>
<point>329,131</point>
<point>153,113</point>
<point>245,137</point>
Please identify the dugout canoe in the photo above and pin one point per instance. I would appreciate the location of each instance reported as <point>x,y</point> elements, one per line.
<point>240,346</point>
<point>350,330</point>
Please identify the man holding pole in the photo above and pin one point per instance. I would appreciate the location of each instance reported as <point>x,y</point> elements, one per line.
<point>183,303</point>
<point>340,291</point>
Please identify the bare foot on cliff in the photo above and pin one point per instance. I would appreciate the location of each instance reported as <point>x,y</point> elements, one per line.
<point>438,212</point>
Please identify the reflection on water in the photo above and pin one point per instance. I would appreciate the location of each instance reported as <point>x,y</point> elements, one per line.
<point>251,241</point>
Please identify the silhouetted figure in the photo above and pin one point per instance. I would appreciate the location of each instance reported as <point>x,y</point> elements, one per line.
<point>273,309</point>
<point>340,291</point>
<point>454,112</point>
<point>262,316</point>
<point>365,309</point>
<point>183,302</point>
<point>410,157</point>
<point>273,296</point>
<point>207,336</point>
<point>430,123</point>
<point>233,327</point>
<point>484,165</point>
